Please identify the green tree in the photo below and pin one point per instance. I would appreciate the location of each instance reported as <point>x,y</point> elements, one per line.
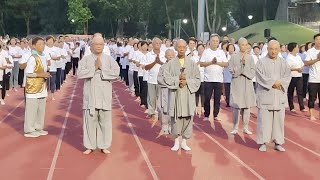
<point>25,9</point>
<point>80,14</point>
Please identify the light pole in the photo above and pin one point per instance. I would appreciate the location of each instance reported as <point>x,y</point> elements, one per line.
<point>250,17</point>
<point>72,25</point>
<point>178,27</point>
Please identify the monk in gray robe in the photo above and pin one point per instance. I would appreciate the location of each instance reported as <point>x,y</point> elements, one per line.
<point>273,79</point>
<point>163,96</point>
<point>98,70</point>
<point>242,94</point>
<point>182,77</point>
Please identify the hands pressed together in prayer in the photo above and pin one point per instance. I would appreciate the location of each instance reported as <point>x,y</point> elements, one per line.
<point>243,61</point>
<point>214,60</point>
<point>277,85</point>
<point>158,61</point>
<point>182,80</point>
<point>98,63</point>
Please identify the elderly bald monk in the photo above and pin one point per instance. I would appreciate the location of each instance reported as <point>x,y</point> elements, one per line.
<point>182,77</point>
<point>242,94</point>
<point>98,70</point>
<point>273,79</point>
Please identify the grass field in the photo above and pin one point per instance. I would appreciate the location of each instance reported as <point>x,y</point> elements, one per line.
<point>285,32</point>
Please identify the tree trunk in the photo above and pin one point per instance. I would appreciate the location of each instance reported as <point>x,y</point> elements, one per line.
<point>2,23</point>
<point>214,19</point>
<point>218,24</point>
<point>169,21</point>
<point>27,20</point>
<point>208,17</point>
<point>120,28</point>
<point>192,19</point>
<point>264,10</point>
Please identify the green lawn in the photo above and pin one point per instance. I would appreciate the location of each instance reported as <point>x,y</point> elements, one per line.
<point>285,32</point>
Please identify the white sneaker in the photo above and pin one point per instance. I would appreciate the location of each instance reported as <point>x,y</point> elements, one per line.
<point>184,145</point>
<point>234,131</point>
<point>43,133</point>
<point>32,135</point>
<point>2,102</point>
<point>205,119</point>
<point>247,131</point>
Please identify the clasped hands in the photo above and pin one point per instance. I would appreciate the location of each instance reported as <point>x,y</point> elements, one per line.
<point>277,85</point>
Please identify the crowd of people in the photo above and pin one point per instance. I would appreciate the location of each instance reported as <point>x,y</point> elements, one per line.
<point>173,81</point>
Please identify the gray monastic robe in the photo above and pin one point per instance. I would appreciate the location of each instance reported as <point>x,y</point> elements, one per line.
<point>97,100</point>
<point>182,103</point>
<point>163,101</point>
<point>241,90</point>
<point>271,102</point>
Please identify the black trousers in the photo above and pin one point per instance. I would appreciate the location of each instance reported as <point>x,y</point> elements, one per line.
<point>144,93</point>
<point>140,79</point>
<point>68,67</point>
<point>305,85</point>
<point>126,75</point>
<point>208,88</point>
<point>58,78</point>
<point>200,95</point>
<point>227,92</point>
<point>136,83</point>
<point>75,62</point>
<point>295,83</point>
<point>314,90</point>
<point>20,77</point>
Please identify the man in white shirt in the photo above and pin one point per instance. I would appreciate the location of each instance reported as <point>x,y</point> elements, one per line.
<point>312,60</point>
<point>213,60</point>
<point>16,53</point>
<point>75,57</point>
<point>154,60</point>
<point>191,51</point>
<point>36,91</point>
<point>296,66</point>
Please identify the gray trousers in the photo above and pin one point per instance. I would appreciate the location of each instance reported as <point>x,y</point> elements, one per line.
<point>245,113</point>
<point>131,84</point>
<point>182,127</point>
<point>165,120</point>
<point>97,129</point>
<point>34,114</point>
<point>270,126</point>
<point>153,91</point>
<point>15,74</point>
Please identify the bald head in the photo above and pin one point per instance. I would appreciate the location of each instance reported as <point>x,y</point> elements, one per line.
<point>243,45</point>
<point>97,45</point>
<point>273,49</point>
<point>169,54</point>
<point>181,47</point>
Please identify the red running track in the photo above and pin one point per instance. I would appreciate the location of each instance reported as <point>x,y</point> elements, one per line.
<point>136,152</point>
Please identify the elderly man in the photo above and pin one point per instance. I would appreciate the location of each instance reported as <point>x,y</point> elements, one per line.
<point>182,77</point>
<point>242,94</point>
<point>97,70</point>
<point>273,78</point>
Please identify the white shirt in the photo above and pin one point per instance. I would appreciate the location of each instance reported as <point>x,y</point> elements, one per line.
<point>141,58</point>
<point>15,51</point>
<point>303,57</point>
<point>76,53</point>
<point>64,52</point>
<point>60,62</point>
<point>30,69</point>
<point>213,73</point>
<point>2,63</point>
<point>153,72</point>
<point>130,56</point>
<point>295,62</point>
<point>227,76</point>
<point>255,59</point>
<point>314,72</point>
<point>196,59</point>
<point>51,52</point>
<point>135,57</point>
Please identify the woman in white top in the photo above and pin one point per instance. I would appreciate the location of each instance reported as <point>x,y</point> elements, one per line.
<point>305,73</point>
<point>296,65</point>
<point>144,80</point>
<point>227,76</point>
<point>16,53</point>
<point>200,92</point>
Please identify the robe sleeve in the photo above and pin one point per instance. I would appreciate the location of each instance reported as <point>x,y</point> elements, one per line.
<point>286,78</point>
<point>235,69</point>
<point>170,80</point>
<point>160,77</point>
<point>249,69</point>
<point>85,71</point>
<point>262,79</point>
<point>110,71</point>
<point>194,81</point>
